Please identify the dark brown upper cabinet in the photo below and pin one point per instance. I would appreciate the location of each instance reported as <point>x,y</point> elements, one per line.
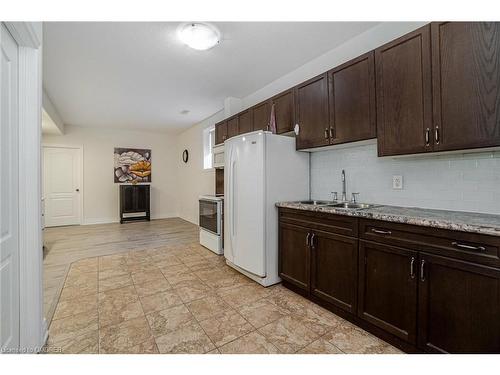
<point>352,100</point>
<point>466,84</point>
<point>232,127</point>
<point>220,132</point>
<point>311,110</point>
<point>388,289</point>
<point>245,121</point>
<point>404,94</point>
<point>261,115</point>
<point>284,111</point>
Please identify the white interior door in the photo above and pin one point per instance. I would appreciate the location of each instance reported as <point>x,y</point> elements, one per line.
<point>9,202</point>
<point>62,186</point>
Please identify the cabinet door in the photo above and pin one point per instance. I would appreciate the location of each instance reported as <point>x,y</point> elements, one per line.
<point>334,261</point>
<point>466,76</point>
<point>284,111</point>
<point>141,197</point>
<point>312,112</point>
<point>404,94</point>
<point>352,100</point>
<point>388,289</point>
<point>245,121</point>
<point>219,181</point>
<point>232,127</point>
<point>294,262</point>
<point>127,198</point>
<point>459,306</point>
<point>220,132</point>
<point>261,115</point>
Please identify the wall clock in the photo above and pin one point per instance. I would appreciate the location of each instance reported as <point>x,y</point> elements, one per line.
<point>185,156</point>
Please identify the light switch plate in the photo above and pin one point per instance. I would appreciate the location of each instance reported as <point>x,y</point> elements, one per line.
<point>397,182</point>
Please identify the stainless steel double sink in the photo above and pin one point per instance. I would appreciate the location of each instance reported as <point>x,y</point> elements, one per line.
<point>344,205</point>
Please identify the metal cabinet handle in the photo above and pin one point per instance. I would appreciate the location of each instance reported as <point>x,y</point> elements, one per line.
<point>412,267</point>
<point>307,239</point>
<point>427,136</point>
<point>331,132</point>
<point>436,134</point>
<point>422,270</point>
<point>326,133</point>
<point>378,231</point>
<point>312,241</point>
<point>468,247</point>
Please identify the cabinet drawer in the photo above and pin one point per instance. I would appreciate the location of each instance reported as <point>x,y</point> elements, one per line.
<point>472,247</point>
<point>339,224</point>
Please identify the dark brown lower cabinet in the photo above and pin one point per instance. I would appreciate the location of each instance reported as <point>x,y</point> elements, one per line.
<point>334,261</point>
<point>393,280</point>
<point>459,306</point>
<point>294,257</point>
<point>388,289</point>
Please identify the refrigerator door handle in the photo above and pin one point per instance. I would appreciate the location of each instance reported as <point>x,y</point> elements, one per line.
<point>233,200</point>
<point>229,195</point>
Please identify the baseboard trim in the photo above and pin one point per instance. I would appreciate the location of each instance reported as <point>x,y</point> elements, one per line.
<point>164,216</point>
<point>195,222</point>
<point>114,220</point>
<point>100,221</point>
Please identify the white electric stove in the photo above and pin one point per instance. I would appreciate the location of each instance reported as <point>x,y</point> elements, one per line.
<point>211,222</point>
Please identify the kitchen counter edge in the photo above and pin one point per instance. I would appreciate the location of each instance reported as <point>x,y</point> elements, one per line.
<point>469,222</point>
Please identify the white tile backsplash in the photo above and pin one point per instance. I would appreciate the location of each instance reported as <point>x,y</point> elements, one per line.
<point>463,182</point>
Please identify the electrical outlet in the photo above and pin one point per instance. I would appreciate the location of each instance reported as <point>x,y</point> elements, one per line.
<point>397,182</point>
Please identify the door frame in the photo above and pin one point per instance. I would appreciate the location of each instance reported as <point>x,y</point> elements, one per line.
<point>80,154</point>
<point>32,325</point>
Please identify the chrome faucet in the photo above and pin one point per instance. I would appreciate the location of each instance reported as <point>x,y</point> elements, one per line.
<point>344,191</point>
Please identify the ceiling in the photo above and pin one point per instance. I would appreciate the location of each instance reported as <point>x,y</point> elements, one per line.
<point>139,75</point>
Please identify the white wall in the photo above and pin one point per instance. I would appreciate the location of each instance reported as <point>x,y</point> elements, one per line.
<point>100,193</point>
<point>192,178</point>
<point>463,182</point>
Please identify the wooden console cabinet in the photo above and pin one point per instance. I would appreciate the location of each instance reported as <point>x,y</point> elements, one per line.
<point>134,203</point>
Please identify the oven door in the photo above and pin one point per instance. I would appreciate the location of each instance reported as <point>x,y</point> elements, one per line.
<point>210,215</point>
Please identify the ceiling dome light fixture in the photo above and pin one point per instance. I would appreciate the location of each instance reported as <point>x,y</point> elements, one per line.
<point>199,36</point>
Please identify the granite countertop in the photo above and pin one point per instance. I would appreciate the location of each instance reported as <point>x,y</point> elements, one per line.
<point>453,220</point>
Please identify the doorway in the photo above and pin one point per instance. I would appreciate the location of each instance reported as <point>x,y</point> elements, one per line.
<point>62,185</point>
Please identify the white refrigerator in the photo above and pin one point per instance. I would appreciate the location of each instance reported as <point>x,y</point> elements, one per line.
<point>261,169</point>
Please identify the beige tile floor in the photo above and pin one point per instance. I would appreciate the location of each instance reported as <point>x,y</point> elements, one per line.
<point>70,244</point>
<point>185,299</point>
